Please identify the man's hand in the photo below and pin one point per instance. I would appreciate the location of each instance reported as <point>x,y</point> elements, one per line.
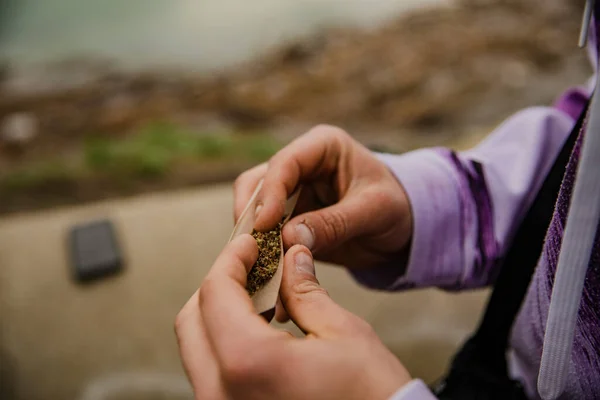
<point>352,211</point>
<point>230,352</point>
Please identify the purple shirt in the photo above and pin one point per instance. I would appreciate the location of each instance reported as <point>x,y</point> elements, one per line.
<point>467,207</point>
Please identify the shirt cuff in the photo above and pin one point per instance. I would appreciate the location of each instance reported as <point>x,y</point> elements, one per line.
<point>414,390</point>
<point>435,257</point>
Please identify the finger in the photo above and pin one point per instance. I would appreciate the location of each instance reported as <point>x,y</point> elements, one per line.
<point>356,214</point>
<point>313,154</point>
<point>307,303</point>
<point>225,305</point>
<point>244,187</point>
<point>198,360</point>
<point>281,315</point>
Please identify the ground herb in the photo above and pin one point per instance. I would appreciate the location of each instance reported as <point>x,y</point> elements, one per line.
<point>269,251</point>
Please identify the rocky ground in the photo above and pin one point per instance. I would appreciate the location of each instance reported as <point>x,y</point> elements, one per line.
<point>439,76</point>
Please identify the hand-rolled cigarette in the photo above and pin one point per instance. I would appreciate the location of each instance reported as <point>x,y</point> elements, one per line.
<point>265,278</point>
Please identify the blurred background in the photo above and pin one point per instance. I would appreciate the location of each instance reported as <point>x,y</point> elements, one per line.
<point>144,111</point>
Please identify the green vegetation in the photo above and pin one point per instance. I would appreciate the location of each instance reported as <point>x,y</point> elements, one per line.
<point>147,154</point>
<point>46,173</point>
<point>159,146</point>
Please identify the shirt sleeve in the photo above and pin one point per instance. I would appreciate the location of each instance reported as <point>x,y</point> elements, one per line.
<point>414,390</point>
<point>466,206</point>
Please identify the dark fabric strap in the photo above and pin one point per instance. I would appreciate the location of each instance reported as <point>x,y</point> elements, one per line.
<point>480,367</point>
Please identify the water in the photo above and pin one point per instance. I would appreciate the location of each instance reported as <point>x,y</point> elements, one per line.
<point>190,34</point>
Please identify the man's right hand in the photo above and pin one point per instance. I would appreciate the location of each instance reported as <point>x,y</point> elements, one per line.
<point>230,352</point>
<point>352,211</point>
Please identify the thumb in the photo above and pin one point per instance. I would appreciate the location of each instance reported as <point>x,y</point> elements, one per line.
<point>329,227</point>
<point>306,302</point>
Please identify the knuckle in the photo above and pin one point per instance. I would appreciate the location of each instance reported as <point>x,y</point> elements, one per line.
<point>305,287</point>
<point>242,178</point>
<point>335,226</point>
<point>365,328</point>
<point>277,163</point>
<point>280,156</point>
<point>330,133</point>
<point>330,130</point>
<point>180,322</point>
<point>362,328</point>
<point>385,198</point>
<point>239,181</point>
<point>246,363</point>
<point>206,290</point>
<point>357,327</point>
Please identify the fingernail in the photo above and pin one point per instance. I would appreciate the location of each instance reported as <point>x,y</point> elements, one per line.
<point>304,263</point>
<point>257,210</point>
<point>304,236</point>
